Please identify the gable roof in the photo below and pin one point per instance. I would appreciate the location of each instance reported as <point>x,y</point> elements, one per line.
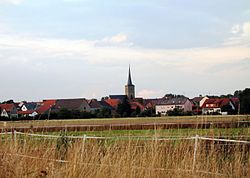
<point>105,104</point>
<point>71,104</point>
<point>135,104</point>
<point>154,101</point>
<point>30,105</point>
<point>197,99</point>
<point>94,104</point>
<point>119,97</point>
<point>113,102</point>
<point>235,101</point>
<point>26,112</point>
<point>45,106</point>
<point>7,107</point>
<point>216,102</point>
<point>175,101</point>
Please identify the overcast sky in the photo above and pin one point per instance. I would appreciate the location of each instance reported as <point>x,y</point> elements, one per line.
<point>82,48</point>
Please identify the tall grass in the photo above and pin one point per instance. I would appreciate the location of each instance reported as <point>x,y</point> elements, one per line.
<point>30,157</point>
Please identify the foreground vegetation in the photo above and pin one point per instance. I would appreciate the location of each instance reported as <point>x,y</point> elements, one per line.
<point>33,157</point>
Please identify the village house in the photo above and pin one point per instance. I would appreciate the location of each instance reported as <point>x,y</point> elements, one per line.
<point>197,104</point>
<point>8,111</point>
<point>219,106</point>
<point>80,104</point>
<point>182,103</point>
<point>113,103</point>
<point>45,106</point>
<point>94,105</point>
<point>134,105</point>
<point>28,109</point>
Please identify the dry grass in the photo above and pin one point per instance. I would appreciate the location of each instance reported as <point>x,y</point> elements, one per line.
<point>121,158</point>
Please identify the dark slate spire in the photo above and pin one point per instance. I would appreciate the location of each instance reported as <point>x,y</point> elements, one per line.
<point>129,77</point>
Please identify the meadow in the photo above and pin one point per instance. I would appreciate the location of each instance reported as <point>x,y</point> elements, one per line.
<point>127,153</point>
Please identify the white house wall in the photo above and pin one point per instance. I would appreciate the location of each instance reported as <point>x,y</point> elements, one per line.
<point>4,113</point>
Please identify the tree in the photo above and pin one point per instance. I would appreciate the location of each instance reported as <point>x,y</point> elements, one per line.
<point>9,102</point>
<point>103,113</point>
<point>237,93</point>
<point>176,112</point>
<point>244,97</point>
<point>124,109</point>
<point>64,114</point>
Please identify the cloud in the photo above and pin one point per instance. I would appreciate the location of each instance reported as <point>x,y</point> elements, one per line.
<point>15,49</point>
<point>119,39</point>
<point>14,2</point>
<point>145,93</point>
<point>242,35</point>
<point>235,29</point>
<point>246,29</point>
<point>115,50</point>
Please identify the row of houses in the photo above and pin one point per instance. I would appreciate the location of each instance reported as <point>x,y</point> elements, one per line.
<point>197,105</point>
<point>32,109</point>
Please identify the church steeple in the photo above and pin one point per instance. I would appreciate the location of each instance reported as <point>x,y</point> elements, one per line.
<point>130,88</point>
<point>129,77</point>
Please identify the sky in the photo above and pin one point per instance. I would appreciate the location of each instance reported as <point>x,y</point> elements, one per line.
<point>82,48</point>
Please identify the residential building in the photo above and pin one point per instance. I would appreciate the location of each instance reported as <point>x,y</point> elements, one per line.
<point>183,104</point>
<point>45,106</point>
<point>8,110</point>
<point>94,105</point>
<point>80,104</point>
<point>219,106</point>
<point>197,104</point>
<point>134,105</point>
<point>113,103</point>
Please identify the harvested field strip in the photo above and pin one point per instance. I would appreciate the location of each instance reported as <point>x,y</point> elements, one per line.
<point>124,121</point>
<point>148,126</point>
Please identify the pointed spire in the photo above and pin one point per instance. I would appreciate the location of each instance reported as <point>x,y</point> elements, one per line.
<point>129,77</point>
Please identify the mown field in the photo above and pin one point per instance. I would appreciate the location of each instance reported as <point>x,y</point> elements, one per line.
<point>125,123</point>
<point>127,153</point>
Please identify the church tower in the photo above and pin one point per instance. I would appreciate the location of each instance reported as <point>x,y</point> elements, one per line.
<point>130,88</point>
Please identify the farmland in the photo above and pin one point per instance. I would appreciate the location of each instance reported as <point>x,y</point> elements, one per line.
<point>156,152</point>
<point>129,123</point>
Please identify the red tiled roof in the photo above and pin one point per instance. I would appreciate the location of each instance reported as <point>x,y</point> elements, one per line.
<point>135,104</point>
<point>113,102</point>
<point>45,106</point>
<point>26,112</point>
<point>7,107</point>
<point>216,102</point>
<point>235,101</point>
<point>197,99</point>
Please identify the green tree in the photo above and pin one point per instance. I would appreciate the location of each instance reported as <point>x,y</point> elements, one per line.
<point>244,97</point>
<point>124,108</point>
<point>176,112</point>
<point>64,114</point>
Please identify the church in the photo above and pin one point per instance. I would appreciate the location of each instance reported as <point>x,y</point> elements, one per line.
<point>129,89</point>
